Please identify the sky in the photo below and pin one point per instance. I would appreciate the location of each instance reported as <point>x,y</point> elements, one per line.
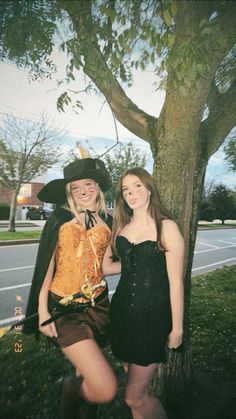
<point>95,122</point>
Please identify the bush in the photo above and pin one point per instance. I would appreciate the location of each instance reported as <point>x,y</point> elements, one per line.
<point>4,211</point>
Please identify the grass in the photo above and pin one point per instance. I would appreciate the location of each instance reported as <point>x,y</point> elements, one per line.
<point>30,380</point>
<point>19,235</point>
<point>213,316</point>
<point>213,313</point>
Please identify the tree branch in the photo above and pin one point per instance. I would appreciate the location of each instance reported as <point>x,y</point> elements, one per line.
<point>221,119</point>
<point>96,67</point>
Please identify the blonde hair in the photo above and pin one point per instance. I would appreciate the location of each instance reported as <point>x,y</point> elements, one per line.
<point>76,209</point>
<point>123,213</point>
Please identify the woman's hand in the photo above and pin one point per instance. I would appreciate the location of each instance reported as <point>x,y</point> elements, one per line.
<point>175,339</point>
<point>50,329</point>
<point>108,266</point>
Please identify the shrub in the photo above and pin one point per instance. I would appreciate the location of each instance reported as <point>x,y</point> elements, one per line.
<point>4,211</point>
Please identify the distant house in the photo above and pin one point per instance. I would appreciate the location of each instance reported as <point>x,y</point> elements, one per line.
<point>27,196</point>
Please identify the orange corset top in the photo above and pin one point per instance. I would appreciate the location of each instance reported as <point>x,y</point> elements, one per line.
<point>79,253</point>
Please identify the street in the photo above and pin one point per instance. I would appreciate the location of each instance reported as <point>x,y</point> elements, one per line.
<point>214,249</point>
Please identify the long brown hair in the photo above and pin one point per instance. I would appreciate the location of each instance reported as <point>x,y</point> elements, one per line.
<point>123,213</point>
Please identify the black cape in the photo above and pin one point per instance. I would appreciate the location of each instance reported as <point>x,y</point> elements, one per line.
<point>46,247</point>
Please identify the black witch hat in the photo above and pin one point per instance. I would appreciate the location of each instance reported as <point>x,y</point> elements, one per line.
<point>88,168</point>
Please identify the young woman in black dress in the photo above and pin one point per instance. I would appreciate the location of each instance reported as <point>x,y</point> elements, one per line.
<point>147,307</point>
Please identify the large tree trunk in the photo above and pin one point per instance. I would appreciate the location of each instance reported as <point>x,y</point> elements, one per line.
<point>12,216</point>
<point>179,176</point>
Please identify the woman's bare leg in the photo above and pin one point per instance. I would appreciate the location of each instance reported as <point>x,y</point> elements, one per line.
<point>99,382</point>
<point>143,405</point>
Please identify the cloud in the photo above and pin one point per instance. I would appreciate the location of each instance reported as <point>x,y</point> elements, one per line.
<point>218,170</point>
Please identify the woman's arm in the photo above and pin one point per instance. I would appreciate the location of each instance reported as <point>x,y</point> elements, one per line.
<point>174,244</point>
<point>108,266</point>
<point>50,329</point>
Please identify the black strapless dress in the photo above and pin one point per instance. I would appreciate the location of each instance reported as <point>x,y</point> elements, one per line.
<point>140,307</point>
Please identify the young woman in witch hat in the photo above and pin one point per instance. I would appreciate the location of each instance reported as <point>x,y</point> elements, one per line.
<point>68,283</point>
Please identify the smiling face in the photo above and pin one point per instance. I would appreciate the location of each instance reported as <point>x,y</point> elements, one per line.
<point>84,193</point>
<point>135,194</point>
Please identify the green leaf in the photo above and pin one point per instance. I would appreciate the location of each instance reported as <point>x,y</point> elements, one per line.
<point>167,18</point>
<point>171,40</point>
<point>201,70</point>
<point>192,73</point>
<point>143,65</point>
<point>153,57</point>
<point>174,8</point>
<point>71,76</point>
<point>114,60</point>
<point>121,40</point>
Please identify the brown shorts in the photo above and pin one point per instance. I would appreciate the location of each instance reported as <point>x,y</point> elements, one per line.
<point>93,323</point>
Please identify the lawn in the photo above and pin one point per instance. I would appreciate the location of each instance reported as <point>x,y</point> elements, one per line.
<point>30,379</point>
<point>19,235</point>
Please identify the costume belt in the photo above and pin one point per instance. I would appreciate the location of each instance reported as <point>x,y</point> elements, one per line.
<point>86,292</point>
<point>65,305</point>
<point>74,306</point>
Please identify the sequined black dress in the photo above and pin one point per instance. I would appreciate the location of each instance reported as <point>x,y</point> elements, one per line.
<point>140,307</point>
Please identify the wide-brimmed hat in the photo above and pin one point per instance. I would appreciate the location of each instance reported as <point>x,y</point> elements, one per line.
<point>55,191</point>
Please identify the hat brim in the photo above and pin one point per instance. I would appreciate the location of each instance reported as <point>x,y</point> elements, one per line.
<point>54,192</point>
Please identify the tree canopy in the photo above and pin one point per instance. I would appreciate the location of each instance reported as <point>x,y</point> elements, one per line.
<point>220,204</point>
<point>184,43</point>
<point>230,153</point>
<point>27,149</point>
<point>120,160</point>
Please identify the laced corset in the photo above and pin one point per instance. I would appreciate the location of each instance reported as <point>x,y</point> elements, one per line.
<point>79,254</point>
<point>144,280</point>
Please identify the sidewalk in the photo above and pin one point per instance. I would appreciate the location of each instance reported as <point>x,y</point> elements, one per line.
<point>19,241</point>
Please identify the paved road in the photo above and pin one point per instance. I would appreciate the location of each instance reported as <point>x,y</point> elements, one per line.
<point>214,249</point>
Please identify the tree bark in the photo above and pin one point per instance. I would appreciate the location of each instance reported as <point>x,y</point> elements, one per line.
<point>12,216</point>
<point>179,176</point>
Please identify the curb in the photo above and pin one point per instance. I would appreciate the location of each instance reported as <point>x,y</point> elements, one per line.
<point>15,242</point>
<point>216,228</point>
<point>6,225</point>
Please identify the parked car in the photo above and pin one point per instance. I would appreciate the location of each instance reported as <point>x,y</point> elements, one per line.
<point>40,213</point>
